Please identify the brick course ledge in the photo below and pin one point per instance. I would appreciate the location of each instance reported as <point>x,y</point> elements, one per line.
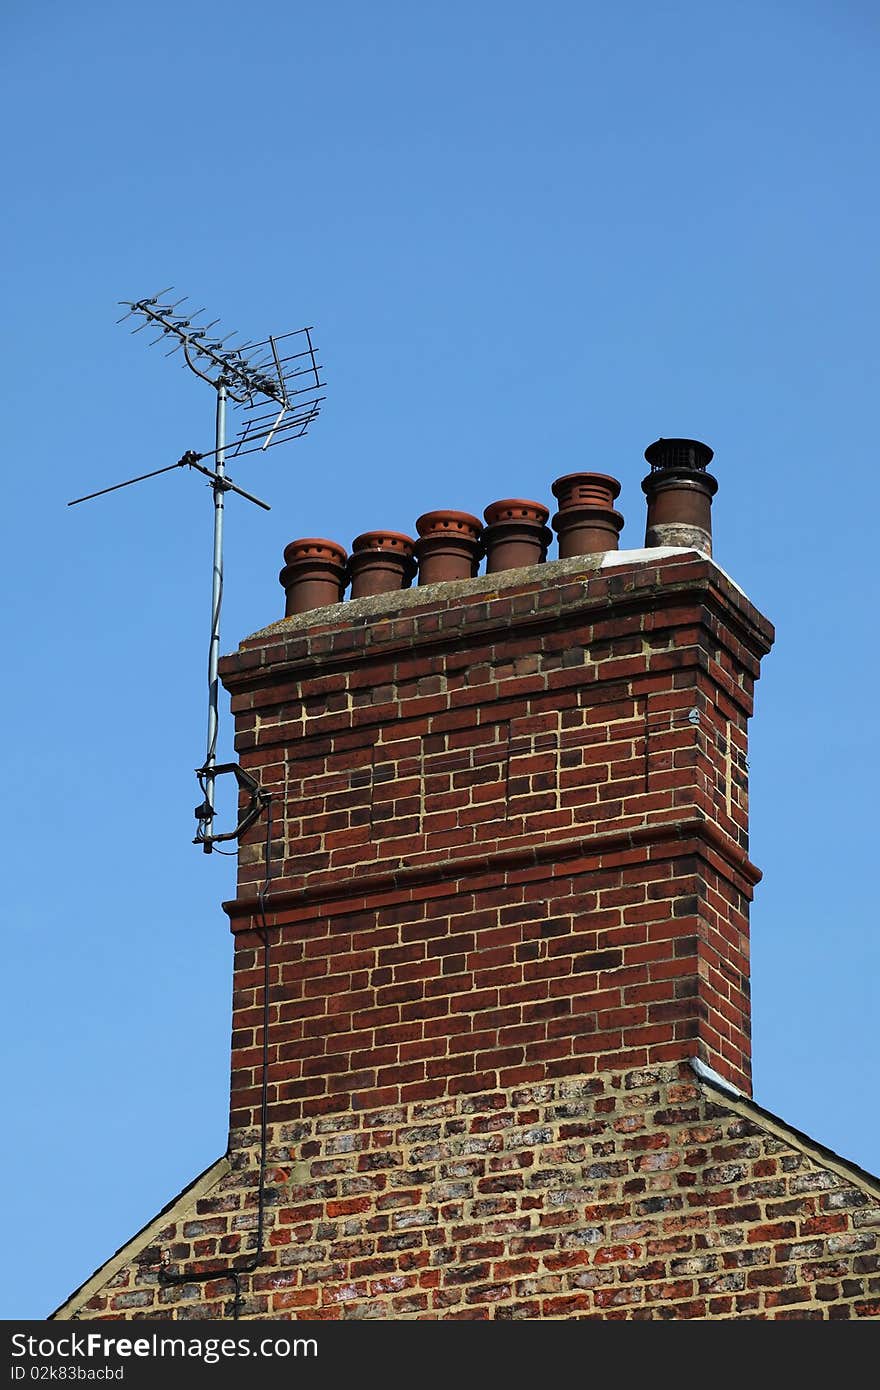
<point>687,836</point>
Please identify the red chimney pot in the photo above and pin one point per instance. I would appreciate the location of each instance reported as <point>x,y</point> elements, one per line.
<point>381,562</point>
<point>516,534</point>
<point>449,546</point>
<point>314,574</point>
<point>586,522</point>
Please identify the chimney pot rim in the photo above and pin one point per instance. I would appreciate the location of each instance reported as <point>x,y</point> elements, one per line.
<point>315,547</point>
<point>454,523</point>
<point>516,509</point>
<point>601,479</point>
<point>567,518</point>
<point>396,541</point>
<point>698,479</point>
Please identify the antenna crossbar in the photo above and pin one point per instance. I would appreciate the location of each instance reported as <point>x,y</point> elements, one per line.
<point>189,460</point>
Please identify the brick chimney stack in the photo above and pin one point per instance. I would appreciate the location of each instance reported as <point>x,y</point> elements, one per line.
<point>505,962</point>
<point>511,814</point>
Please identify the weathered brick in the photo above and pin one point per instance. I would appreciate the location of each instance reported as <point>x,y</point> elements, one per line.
<point>595,1249</point>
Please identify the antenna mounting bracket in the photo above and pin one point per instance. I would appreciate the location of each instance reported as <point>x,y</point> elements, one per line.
<point>259,799</point>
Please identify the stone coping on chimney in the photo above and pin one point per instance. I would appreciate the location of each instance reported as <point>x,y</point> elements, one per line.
<point>390,616</point>
<point>376,605</point>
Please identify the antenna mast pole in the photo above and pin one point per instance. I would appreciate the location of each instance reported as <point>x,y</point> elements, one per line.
<point>218,487</point>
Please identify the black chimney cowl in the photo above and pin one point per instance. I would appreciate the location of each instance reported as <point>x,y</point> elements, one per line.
<point>687,454</point>
<point>679,492</point>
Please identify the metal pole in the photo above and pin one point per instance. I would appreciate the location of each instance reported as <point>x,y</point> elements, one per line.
<point>216,601</point>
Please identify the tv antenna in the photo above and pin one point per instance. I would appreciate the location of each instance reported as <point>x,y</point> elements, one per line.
<point>274,382</point>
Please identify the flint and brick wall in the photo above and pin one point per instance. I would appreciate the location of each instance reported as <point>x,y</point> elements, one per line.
<point>620,1195</point>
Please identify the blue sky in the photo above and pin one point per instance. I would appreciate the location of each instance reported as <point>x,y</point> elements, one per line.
<point>531,240</point>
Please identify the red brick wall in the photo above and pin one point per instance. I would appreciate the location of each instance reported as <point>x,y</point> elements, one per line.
<point>511,834</point>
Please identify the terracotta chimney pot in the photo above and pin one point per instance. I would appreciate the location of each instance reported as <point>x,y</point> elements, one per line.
<point>586,522</point>
<point>380,562</point>
<point>314,574</point>
<point>516,534</point>
<point>449,546</point>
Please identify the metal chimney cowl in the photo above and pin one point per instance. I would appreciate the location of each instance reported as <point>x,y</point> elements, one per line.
<point>679,491</point>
